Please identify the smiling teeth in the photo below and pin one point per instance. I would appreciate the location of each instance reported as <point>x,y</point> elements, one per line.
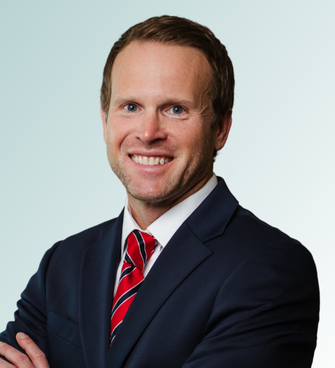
<point>151,161</point>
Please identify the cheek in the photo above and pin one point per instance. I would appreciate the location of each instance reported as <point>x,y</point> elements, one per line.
<point>115,133</point>
<point>199,140</point>
<point>204,146</point>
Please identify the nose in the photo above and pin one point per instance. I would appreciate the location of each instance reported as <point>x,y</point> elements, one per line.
<point>150,128</point>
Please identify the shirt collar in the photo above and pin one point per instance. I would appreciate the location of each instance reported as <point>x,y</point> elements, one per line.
<point>165,226</point>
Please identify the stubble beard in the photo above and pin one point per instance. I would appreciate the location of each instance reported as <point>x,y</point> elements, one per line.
<point>132,189</point>
<point>188,179</point>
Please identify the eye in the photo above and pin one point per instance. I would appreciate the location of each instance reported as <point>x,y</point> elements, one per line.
<point>130,107</point>
<point>177,110</point>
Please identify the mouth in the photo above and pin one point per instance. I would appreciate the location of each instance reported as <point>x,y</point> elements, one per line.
<point>150,160</point>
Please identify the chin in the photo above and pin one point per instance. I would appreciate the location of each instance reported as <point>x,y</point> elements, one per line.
<point>149,197</point>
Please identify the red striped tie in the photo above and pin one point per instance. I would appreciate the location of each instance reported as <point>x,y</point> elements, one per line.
<point>140,247</point>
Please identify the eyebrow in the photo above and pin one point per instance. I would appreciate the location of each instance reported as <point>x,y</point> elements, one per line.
<point>165,100</point>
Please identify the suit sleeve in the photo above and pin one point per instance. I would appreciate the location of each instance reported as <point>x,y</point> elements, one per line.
<point>30,316</point>
<point>265,315</point>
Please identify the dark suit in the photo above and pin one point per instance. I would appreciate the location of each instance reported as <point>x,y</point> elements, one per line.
<point>227,291</point>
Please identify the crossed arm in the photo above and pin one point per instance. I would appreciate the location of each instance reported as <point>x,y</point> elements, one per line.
<point>276,323</point>
<point>36,358</point>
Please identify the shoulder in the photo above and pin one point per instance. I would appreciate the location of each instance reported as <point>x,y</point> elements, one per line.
<point>88,236</point>
<point>249,236</point>
<point>225,226</point>
<point>245,226</point>
<point>60,267</point>
<point>259,257</point>
<point>75,245</point>
<point>67,253</point>
<point>238,238</point>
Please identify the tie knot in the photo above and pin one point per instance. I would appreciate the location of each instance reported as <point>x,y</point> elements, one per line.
<point>140,247</point>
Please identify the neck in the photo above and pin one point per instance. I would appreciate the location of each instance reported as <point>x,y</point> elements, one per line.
<point>145,213</point>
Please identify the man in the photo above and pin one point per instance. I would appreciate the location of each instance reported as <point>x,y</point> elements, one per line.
<point>218,287</point>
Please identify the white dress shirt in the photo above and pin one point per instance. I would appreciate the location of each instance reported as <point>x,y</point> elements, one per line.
<point>165,226</point>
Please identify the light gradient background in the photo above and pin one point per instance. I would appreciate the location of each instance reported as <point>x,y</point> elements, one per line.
<point>279,159</point>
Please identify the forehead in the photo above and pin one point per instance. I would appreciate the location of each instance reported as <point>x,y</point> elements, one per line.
<point>151,64</point>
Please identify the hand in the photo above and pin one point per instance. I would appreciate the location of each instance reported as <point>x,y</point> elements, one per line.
<point>19,360</point>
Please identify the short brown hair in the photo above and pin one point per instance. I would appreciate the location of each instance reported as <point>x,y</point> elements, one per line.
<point>180,31</point>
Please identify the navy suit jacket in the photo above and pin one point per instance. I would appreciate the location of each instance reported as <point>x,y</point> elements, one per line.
<point>227,291</point>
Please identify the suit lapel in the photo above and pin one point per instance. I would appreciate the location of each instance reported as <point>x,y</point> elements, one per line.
<point>98,272</point>
<point>210,219</point>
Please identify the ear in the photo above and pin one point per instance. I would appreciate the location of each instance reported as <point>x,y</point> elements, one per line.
<point>222,130</point>
<point>104,124</point>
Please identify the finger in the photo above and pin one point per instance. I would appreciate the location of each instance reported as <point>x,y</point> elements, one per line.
<point>3,363</point>
<point>12,355</point>
<point>35,354</point>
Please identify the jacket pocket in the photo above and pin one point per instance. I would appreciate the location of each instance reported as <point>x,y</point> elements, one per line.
<point>64,328</point>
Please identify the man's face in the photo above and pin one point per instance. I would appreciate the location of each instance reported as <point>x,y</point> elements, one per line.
<point>158,133</point>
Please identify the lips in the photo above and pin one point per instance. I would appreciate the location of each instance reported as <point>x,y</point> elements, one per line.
<point>150,160</point>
